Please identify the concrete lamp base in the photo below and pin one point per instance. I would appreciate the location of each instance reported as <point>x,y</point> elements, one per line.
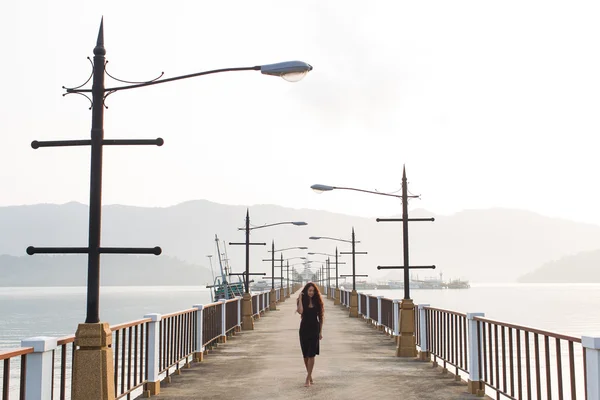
<point>93,371</point>
<point>247,320</point>
<point>354,304</point>
<point>407,344</point>
<point>337,301</point>
<point>272,300</point>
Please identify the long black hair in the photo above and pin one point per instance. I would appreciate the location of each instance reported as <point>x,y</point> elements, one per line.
<point>317,300</point>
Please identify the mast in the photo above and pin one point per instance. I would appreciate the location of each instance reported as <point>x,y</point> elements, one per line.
<point>223,276</point>
<point>227,267</point>
<point>212,271</point>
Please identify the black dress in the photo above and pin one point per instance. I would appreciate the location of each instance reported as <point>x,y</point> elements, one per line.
<point>309,332</point>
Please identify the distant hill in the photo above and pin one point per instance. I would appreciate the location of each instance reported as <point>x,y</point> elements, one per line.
<point>71,270</point>
<point>480,245</point>
<point>569,269</point>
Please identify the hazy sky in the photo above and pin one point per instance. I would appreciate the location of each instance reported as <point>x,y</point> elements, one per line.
<point>488,103</point>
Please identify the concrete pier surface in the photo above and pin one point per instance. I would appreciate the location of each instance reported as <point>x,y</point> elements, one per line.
<point>356,362</point>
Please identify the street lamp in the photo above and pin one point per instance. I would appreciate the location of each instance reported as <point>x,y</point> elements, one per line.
<point>247,320</point>
<point>337,263</point>
<point>289,248</point>
<point>272,300</point>
<point>353,294</point>
<point>248,228</point>
<point>86,379</point>
<point>406,343</point>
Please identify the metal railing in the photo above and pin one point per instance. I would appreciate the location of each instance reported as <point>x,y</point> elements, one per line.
<point>61,380</point>
<point>17,373</point>
<point>446,333</point>
<point>511,361</point>
<point>387,314</point>
<point>231,315</point>
<point>363,304</point>
<point>517,361</point>
<point>130,348</point>
<point>211,323</point>
<point>143,350</point>
<point>373,308</point>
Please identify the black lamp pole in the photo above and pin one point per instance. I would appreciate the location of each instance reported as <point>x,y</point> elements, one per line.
<point>247,244</point>
<point>353,260</point>
<point>273,264</point>
<point>247,251</point>
<point>336,268</point>
<point>99,93</point>
<point>281,265</point>
<point>93,281</point>
<point>287,269</point>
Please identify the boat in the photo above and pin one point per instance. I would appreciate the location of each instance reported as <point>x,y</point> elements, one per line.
<point>431,283</point>
<point>458,284</point>
<point>260,286</point>
<point>223,287</point>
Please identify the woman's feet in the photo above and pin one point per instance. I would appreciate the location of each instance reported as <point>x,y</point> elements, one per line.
<point>307,382</point>
<point>311,381</point>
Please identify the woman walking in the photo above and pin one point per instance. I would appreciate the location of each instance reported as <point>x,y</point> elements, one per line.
<point>310,308</point>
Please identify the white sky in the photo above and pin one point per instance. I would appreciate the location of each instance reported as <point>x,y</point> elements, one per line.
<point>488,103</point>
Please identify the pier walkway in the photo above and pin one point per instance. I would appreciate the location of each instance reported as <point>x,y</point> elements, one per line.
<point>356,362</point>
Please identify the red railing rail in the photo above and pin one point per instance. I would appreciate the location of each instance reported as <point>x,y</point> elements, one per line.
<point>10,371</point>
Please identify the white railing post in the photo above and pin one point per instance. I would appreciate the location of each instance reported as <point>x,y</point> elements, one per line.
<point>152,365</point>
<point>368,306</point>
<point>239,324</point>
<point>424,352</point>
<point>223,320</point>
<point>379,310</point>
<point>199,345</point>
<point>396,312</point>
<point>360,310</point>
<point>38,378</point>
<point>591,346</point>
<point>475,384</point>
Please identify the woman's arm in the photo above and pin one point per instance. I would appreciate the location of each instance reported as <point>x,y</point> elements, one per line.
<point>321,328</point>
<point>299,308</point>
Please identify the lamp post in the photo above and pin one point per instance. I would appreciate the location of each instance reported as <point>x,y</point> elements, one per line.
<point>272,299</point>
<point>247,320</point>
<point>337,299</point>
<point>92,358</point>
<point>353,294</point>
<point>406,340</point>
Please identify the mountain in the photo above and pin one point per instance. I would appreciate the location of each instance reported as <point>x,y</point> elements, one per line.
<point>569,269</point>
<point>479,245</point>
<point>71,270</point>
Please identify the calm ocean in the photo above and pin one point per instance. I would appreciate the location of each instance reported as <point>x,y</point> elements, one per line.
<point>56,311</point>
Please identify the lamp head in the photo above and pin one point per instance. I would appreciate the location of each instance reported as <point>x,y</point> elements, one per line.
<point>303,248</point>
<point>321,188</point>
<point>291,71</point>
<point>299,223</point>
<point>315,237</point>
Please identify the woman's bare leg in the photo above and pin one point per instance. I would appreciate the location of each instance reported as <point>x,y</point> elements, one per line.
<point>311,365</point>
<point>306,364</point>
